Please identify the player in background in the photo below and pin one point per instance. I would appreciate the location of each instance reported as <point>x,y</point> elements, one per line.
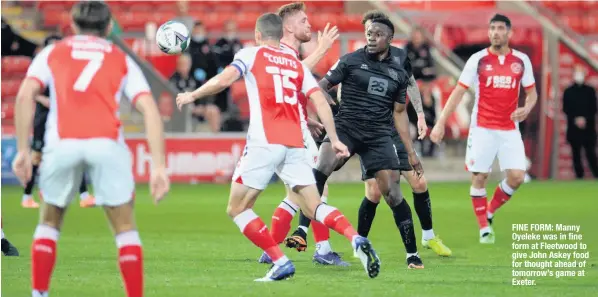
<point>297,30</point>
<point>419,186</point>
<point>496,73</point>
<point>84,133</point>
<point>275,143</point>
<point>42,106</point>
<point>373,95</point>
<point>7,248</point>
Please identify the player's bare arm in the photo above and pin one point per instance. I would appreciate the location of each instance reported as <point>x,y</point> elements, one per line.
<point>213,86</point>
<point>325,115</point>
<point>416,100</point>
<point>325,41</point>
<point>24,109</point>
<point>325,85</point>
<point>43,100</point>
<point>521,113</point>
<point>155,139</point>
<point>401,121</point>
<point>454,99</point>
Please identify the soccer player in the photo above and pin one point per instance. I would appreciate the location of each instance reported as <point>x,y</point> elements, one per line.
<point>83,132</point>
<point>297,30</point>
<point>42,106</point>
<point>419,186</point>
<point>373,95</point>
<point>275,143</point>
<point>421,196</point>
<point>496,73</point>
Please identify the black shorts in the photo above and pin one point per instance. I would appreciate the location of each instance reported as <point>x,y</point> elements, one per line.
<point>39,129</point>
<point>375,152</point>
<point>401,153</point>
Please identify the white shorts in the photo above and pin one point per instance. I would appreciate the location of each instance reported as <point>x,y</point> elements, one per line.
<point>260,162</point>
<point>483,145</point>
<point>311,147</point>
<point>108,163</point>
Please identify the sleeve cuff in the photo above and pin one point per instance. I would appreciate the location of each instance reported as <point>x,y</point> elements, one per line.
<point>530,86</point>
<point>134,100</point>
<point>238,68</point>
<point>39,81</point>
<point>463,85</point>
<point>311,91</point>
<point>238,63</point>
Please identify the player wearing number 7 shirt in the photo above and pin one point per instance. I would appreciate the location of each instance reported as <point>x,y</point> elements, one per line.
<point>497,74</point>
<point>86,75</point>
<point>274,79</point>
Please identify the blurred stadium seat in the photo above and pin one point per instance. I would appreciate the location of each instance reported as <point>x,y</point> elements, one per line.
<point>10,87</point>
<point>578,15</point>
<point>133,15</point>
<point>14,66</point>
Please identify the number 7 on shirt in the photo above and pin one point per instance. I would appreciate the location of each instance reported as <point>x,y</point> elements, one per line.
<point>89,71</point>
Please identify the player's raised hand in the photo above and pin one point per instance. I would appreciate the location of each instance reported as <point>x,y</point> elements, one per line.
<point>21,166</point>
<point>437,133</point>
<point>159,184</point>
<point>327,38</point>
<point>418,168</point>
<point>184,98</point>
<point>422,127</point>
<point>520,114</point>
<point>340,149</point>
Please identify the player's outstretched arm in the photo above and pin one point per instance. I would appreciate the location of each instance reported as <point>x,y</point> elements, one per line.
<point>213,86</point>
<point>452,103</point>
<point>154,130</point>
<point>416,100</point>
<point>325,41</point>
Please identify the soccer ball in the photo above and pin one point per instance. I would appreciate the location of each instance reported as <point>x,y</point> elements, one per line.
<point>172,37</point>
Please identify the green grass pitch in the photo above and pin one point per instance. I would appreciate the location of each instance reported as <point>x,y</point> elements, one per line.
<point>193,249</point>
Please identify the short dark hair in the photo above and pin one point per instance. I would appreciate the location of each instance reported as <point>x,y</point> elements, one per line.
<point>373,14</point>
<point>270,25</point>
<point>386,22</point>
<point>290,9</point>
<point>501,18</point>
<point>92,16</point>
<point>197,24</point>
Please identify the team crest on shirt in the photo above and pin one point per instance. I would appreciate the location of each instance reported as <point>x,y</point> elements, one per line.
<point>393,74</point>
<point>516,68</point>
